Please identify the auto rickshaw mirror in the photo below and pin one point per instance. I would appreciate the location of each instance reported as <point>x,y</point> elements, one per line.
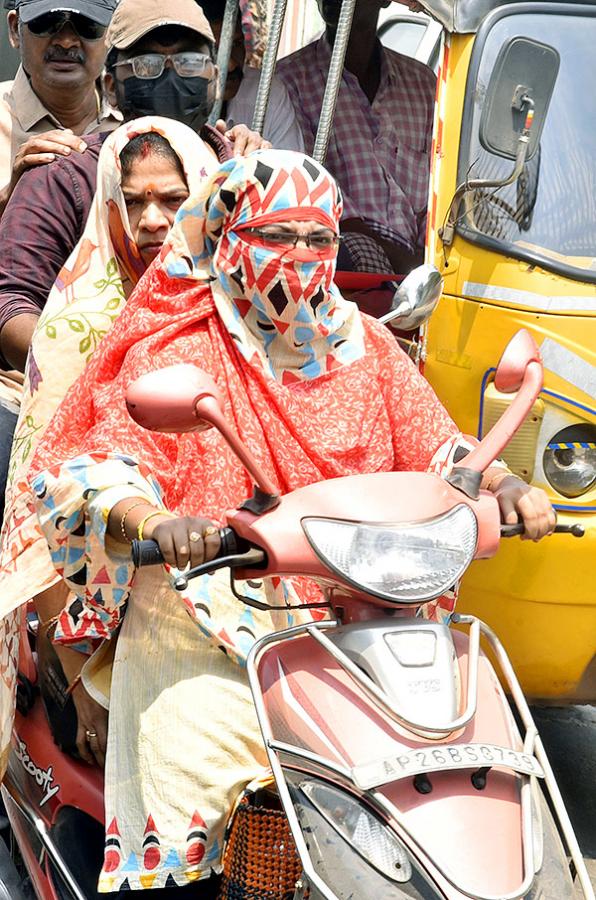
<point>521,85</point>
<point>415,299</point>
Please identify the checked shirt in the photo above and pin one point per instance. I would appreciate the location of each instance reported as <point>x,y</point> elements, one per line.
<point>379,153</point>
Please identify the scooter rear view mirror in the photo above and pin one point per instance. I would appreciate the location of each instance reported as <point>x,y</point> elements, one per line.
<point>519,369</point>
<point>517,355</point>
<point>183,398</point>
<point>176,399</point>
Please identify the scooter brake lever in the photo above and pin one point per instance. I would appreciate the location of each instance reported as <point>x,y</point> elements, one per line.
<point>252,557</point>
<point>576,530</point>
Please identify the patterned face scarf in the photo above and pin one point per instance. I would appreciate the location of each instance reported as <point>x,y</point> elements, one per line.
<point>278,303</point>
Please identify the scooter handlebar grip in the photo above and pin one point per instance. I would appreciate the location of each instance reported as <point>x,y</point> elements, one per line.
<point>147,553</point>
<point>512,530</point>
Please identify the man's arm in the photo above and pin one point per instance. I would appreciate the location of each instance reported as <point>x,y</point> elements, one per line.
<point>39,229</point>
<point>15,339</point>
<point>281,127</point>
<point>39,150</point>
<point>281,123</point>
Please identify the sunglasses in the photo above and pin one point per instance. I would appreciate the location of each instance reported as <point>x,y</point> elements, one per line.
<point>51,23</point>
<point>187,65</point>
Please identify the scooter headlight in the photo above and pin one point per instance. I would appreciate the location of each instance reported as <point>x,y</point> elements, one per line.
<point>354,853</point>
<point>364,832</point>
<point>570,465</point>
<point>404,562</point>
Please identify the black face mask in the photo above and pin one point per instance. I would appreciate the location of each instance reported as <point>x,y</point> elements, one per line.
<point>188,100</point>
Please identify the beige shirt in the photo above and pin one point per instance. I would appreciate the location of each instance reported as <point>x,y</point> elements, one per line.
<point>22,114</point>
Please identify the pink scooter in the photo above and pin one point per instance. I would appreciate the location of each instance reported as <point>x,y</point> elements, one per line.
<point>396,757</point>
<point>395,753</point>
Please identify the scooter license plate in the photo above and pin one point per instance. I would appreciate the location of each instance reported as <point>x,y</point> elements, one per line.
<point>443,758</point>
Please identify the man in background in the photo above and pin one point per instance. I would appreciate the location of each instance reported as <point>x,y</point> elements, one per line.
<point>379,150</point>
<point>281,127</point>
<point>54,98</point>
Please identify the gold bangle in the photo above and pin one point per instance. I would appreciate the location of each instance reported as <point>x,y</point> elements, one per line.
<point>126,512</point>
<point>143,522</point>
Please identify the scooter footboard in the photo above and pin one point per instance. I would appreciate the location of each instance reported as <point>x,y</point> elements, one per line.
<point>10,881</point>
<point>458,814</point>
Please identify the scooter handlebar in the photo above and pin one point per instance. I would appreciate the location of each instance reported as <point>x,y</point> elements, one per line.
<point>147,553</point>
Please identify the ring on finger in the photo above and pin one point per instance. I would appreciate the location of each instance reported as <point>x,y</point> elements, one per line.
<point>194,536</point>
<point>90,734</point>
<point>209,530</point>
<point>183,549</point>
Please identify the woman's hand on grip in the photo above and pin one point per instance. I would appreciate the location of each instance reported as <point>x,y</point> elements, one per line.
<point>184,539</point>
<point>520,502</point>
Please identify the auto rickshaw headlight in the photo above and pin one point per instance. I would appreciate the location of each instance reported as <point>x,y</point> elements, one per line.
<point>570,465</point>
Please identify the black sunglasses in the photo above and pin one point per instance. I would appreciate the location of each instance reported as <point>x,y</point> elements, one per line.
<point>51,23</point>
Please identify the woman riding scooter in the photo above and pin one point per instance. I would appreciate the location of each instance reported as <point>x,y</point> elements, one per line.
<point>146,169</point>
<point>244,287</point>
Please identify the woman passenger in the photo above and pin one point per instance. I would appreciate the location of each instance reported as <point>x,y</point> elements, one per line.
<point>146,170</point>
<point>244,288</point>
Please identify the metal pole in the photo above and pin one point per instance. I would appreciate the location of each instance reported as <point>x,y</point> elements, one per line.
<point>336,68</point>
<point>268,67</point>
<point>224,51</point>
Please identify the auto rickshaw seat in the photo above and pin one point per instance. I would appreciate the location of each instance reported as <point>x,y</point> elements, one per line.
<point>371,291</point>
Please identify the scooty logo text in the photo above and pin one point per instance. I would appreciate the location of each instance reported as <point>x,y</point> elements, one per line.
<point>43,777</point>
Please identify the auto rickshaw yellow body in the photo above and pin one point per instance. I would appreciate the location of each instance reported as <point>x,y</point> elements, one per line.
<point>518,254</point>
<point>539,598</point>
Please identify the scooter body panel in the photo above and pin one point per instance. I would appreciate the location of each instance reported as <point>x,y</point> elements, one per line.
<point>48,778</point>
<point>44,781</point>
<point>472,836</point>
<point>30,848</point>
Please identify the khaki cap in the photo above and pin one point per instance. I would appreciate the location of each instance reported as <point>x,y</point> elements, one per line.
<point>133,19</point>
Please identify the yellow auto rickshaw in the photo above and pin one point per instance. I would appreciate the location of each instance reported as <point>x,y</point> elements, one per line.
<point>513,231</point>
